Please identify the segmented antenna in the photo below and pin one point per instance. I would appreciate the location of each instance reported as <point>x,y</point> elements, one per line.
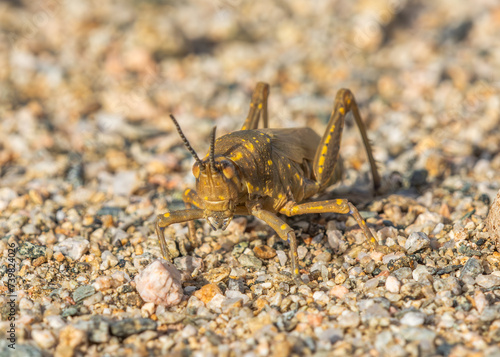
<point>187,144</point>
<point>212,150</point>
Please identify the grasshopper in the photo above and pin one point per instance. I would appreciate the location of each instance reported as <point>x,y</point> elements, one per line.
<point>262,172</point>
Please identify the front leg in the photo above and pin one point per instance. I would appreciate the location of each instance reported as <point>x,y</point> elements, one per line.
<point>284,231</point>
<point>166,219</point>
<point>190,198</point>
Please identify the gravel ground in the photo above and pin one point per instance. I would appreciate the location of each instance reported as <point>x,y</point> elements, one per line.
<point>89,157</point>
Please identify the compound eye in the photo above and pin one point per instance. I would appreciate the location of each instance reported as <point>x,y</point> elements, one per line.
<point>196,170</point>
<point>228,170</point>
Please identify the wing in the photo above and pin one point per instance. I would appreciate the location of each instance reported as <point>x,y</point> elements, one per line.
<point>296,144</point>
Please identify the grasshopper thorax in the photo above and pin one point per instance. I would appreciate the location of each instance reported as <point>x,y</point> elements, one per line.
<point>218,185</point>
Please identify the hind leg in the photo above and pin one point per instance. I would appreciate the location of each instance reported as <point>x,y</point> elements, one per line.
<point>258,107</point>
<point>327,154</point>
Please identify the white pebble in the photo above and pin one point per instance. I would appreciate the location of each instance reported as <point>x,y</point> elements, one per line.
<point>349,319</point>
<point>413,318</point>
<point>108,260</point>
<point>215,304</point>
<point>160,283</point>
<point>103,283</point>
<point>321,297</point>
<point>417,241</point>
<point>480,300</point>
<point>282,257</point>
<point>74,248</point>
<point>301,252</point>
<point>392,284</point>
<point>43,338</point>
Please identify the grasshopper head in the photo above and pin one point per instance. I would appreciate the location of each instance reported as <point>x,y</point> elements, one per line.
<point>218,185</point>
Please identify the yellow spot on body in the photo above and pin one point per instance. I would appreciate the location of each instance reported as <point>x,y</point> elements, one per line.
<point>260,106</point>
<point>269,162</point>
<point>166,215</point>
<point>268,140</point>
<point>261,133</point>
<point>221,198</point>
<point>339,201</point>
<point>257,188</point>
<point>254,138</point>
<point>288,165</point>
<point>205,198</point>
<point>283,227</point>
<point>252,105</point>
<point>342,110</point>
<point>348,101</point>
<point>187,191</point>
<point>363,223</point>
<point>294,209</point>
<point>250,147</point>
<point>256,141</point>
<point>249,186</point>
<point>296,272</point>
<point>280,196</point>
<point>297,176</point>
<point>236,157</point>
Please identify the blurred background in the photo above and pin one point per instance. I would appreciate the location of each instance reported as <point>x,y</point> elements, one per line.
<point>92,83</point>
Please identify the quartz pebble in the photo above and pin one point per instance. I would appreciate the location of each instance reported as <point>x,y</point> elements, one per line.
<point>160,283</point>
<point>417,241</point>
<point>73,247</point>
<point>392,284</point>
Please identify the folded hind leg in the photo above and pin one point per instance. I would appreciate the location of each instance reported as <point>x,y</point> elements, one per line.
<point>258,107</point>
<point>327,154</point>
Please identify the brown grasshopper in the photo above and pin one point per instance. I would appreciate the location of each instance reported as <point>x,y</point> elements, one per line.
<point>266,171</point>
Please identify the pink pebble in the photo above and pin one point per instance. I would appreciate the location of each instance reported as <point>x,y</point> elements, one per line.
<point>160,283</point>
<point>339,291</point>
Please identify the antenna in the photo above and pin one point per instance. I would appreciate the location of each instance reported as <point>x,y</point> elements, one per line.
<point>212,149</point>
<point>187,144</point>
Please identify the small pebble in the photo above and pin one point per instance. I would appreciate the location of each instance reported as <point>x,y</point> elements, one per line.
<point>83,292</point>
<point>282,257</point>
<point>127,327</point>
<point>301,252</point>
<point>392,284</point>
<point>45,339</point>
<point>250,261</point>
<point>74,248</point>
<point>416,242</point>
<point>493,220</point>
<point>207,292</point>
<point>488,281</point>
<point>264,252</point>
<point>108,260</point>
<point>413,319</point>
<point>339,291</point>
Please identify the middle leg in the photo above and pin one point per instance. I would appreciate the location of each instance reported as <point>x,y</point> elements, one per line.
<point>284,231</point>
<point>331,206</point>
